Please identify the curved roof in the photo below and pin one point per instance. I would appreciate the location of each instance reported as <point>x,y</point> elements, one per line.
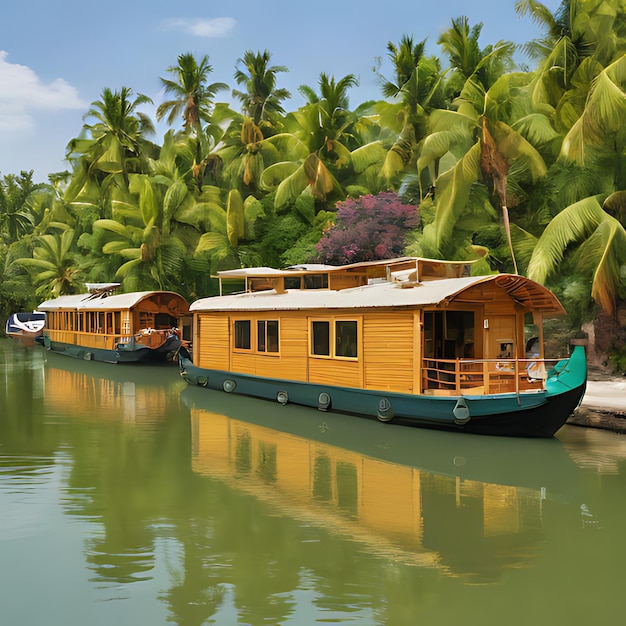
<point>385,294</point>
<point>116,302</point>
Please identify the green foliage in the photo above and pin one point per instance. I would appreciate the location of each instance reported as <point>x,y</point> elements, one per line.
<point>482,149</point>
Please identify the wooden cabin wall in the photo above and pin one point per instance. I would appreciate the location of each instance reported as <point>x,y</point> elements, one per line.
<point>504,316</point>
<point>348,373</point>
<point>389,344</point>
<point>290,362</point>
<point>212,343</point>
<point>346,281</point>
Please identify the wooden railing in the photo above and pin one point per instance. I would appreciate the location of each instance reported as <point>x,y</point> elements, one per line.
<point>152,339</point>
<point>483,376</point>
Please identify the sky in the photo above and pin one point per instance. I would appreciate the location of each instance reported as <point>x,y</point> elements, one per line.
<point>56,56</point>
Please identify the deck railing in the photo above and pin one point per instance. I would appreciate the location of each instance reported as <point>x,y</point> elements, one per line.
<point>109,341</point>
<point>483,376</point>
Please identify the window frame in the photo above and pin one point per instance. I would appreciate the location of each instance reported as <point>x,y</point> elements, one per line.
<point>332,321</point>
<point>254,336</point>
<point>266,337</point>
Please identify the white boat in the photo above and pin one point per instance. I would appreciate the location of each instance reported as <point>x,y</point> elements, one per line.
<point>26,327</point>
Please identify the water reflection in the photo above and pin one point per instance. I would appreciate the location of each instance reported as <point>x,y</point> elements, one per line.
<point>417,497</point>
<point>194,507</point>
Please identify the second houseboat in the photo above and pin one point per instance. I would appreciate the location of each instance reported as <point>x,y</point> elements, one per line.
<point>117,328</point>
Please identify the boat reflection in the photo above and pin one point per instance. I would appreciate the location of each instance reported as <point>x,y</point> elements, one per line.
<point>126,447</point>
<point>470,506</point>
<point>97,391</point>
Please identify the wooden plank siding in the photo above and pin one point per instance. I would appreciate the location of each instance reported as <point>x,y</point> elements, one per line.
<point>388,351</point>
<point>341,373</point>
<point>212,347</point>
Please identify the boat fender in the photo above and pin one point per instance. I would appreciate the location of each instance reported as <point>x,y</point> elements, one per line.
<point>385,410</point>
<point>282,397</point>
<point>461,412</point>
<point>323,402</point>
<point>203,381</point>
<point>88,356</point>
<point>229,386</point>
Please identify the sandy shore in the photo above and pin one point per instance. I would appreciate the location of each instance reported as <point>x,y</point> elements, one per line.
<point>603,406</point>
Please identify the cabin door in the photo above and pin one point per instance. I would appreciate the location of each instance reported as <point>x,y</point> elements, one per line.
<point>500,338</point>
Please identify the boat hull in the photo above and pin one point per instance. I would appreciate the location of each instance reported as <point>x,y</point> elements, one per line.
<point>26,329</point>
<point>125,353</point>
<point>535,414</point>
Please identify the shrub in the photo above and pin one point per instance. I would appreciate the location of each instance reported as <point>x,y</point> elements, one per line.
<point>367,228</point>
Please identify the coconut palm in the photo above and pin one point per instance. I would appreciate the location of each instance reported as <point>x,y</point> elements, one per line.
<point>491,137</point>
<point>318,140</point>
<point>16,217</point>
<point>261,99</point>
<point>114,142</point>
<point>594,226</point>
<point>414,90</point>
<point>193,98</point>
<point>54,267</point>
<point>468,59</point>
<point>193,102</point>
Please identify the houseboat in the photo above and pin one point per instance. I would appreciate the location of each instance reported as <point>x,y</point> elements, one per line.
<point>409,340</point>
<point>26,328</point>
<point>103,325</point>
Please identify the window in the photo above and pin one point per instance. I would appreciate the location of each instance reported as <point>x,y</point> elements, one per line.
<point>293,282</point>
<point>267,336</point>
<point>242,334</point>
<point>316,281</point>
<point>340,335</point>
<point>345,338</point>
<point>320,338</point>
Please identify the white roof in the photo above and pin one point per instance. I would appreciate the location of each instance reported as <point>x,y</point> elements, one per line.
<point>385,294</point>
<point>86,301</point>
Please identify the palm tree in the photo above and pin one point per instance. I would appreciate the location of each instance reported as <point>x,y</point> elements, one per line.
<point>593,225</point>
<point>54,267</point>
<point>114,142</point>
<point>491,135</point>
<point>16,218</point>
<point>415,89</point>
<point>193,102</point>
<point>261,99</point>
<point>318,140</point>
<point>467,59</point>
<point>192,96</point>
<point>139,234</point>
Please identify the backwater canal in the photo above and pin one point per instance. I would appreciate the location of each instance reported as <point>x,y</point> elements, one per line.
<point>128,498</point>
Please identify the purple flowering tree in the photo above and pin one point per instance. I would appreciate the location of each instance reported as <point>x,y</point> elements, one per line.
<point>367,228</point>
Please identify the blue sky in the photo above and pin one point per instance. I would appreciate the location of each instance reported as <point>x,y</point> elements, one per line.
<point>57,55</point>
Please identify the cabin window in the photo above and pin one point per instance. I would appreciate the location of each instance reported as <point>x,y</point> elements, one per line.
<point>334,338</point>
<point>316,281</point>
<point>242,334</point>
<point>293,282</point>
<point>267,336</point>
<point>320,338</point>
<point>345,338</point>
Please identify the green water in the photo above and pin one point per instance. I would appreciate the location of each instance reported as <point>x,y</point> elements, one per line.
<point>127,498</point>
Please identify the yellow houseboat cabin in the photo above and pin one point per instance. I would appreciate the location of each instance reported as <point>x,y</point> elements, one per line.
<point>117,328</point>
<point>408,340</point>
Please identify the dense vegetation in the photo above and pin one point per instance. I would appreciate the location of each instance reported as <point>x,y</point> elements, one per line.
<point>520,168</point>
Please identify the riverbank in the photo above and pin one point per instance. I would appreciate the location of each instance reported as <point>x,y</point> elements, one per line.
<point>603,406</point>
